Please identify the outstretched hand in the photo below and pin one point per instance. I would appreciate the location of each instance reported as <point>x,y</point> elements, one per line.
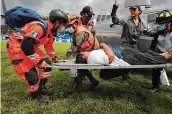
<point>115,2</point>
<point>115,6</point>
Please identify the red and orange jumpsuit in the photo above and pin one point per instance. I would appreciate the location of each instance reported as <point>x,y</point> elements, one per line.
<point>25,55</point>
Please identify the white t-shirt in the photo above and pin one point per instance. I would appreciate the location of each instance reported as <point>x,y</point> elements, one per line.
<point>164,42</point>
<point>100,57</point>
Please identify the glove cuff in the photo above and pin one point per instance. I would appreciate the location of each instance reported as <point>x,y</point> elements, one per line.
<point>52,55</point>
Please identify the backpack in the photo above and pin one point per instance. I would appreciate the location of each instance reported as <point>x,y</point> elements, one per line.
<point>18,16</point>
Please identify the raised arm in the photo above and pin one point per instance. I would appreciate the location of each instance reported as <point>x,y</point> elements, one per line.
<point>108,52</point>
<point>147,30</point>
<point>115,19</point>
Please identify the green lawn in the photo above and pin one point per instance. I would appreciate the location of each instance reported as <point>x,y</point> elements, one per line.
<point>110,97</point>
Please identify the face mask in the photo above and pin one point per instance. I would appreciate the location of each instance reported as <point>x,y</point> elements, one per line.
<point>61,31</point>
<point>161,27</point>
<point>88,17</point>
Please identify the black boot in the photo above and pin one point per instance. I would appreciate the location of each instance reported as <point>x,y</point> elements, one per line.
<point>125,79</point>
<point>78,81</point>
<point>93,81</point>
<point>43,89</point>
<point>37,96</point>
<point>94,84</point>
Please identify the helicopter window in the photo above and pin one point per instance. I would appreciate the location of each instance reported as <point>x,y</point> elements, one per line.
<point>103,17</point>
<point>98,18</point>
<point>108,17</point>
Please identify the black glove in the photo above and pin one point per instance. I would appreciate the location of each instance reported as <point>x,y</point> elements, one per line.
<point>43,63</point>
<point>115,7</point>
<point>144,31</point>
<point>111,25</point>
<point>55,60</point>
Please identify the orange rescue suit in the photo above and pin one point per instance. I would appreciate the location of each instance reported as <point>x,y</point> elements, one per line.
<point>30,30</point>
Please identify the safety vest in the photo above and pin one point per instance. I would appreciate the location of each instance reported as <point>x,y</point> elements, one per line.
<point>89,26</point>
<point>87,45</point>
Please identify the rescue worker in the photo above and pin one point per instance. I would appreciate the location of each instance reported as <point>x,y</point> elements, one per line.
<point>133,28</point>
<point>161,43</point>
<point>84,41</point>
<point>26,57</point>
<point>86,20</point>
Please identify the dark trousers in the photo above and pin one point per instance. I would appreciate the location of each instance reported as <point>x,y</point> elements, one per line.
<point>156,77</point>
<point>83,72</point>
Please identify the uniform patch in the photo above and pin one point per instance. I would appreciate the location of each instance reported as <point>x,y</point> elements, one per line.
<point>34,34</point>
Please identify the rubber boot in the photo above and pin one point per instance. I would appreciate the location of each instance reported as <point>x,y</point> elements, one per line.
<point>43,89</point>
<point>37,96</point>
<point>78,81</point>
<point>125,76</point>
<point>93,81</point>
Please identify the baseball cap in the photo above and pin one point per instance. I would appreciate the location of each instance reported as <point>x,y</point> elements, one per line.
<point>135,6</point>
<point>87,9</point>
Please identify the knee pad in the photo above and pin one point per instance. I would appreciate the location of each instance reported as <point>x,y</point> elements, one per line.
<point>32,76</point>
<point>49,62</point>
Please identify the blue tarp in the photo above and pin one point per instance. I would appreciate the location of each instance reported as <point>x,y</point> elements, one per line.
<point>64,38</point>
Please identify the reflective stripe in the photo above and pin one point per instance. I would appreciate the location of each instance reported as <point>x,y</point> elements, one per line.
<point>51,53</point>
<point>44,75</point>
<point>35,58</point>
<point>168,15</point>
<point>161,15</point>
<point>33,88</point>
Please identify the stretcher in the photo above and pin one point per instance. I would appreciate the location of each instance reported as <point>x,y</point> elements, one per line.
<point>109,37</point>
<point>70,64</point>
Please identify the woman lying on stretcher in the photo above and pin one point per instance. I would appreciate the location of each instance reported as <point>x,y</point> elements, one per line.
<point>118,56</point>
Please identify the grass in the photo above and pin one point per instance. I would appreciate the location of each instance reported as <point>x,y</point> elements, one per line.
<point>111,97</point>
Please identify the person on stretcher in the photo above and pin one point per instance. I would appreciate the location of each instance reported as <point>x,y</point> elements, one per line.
<point>123,56</point>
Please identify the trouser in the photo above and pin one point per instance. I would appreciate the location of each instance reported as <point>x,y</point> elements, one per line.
<point>25,67</point>
<point>33,77</point>
<point>126,44</point>
<point>83,72</point>
<point>108,74</point>
<point>156,77</point>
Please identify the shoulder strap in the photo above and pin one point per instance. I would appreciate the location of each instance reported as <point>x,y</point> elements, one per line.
<point>45,28</point>
<point>93,44</point>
